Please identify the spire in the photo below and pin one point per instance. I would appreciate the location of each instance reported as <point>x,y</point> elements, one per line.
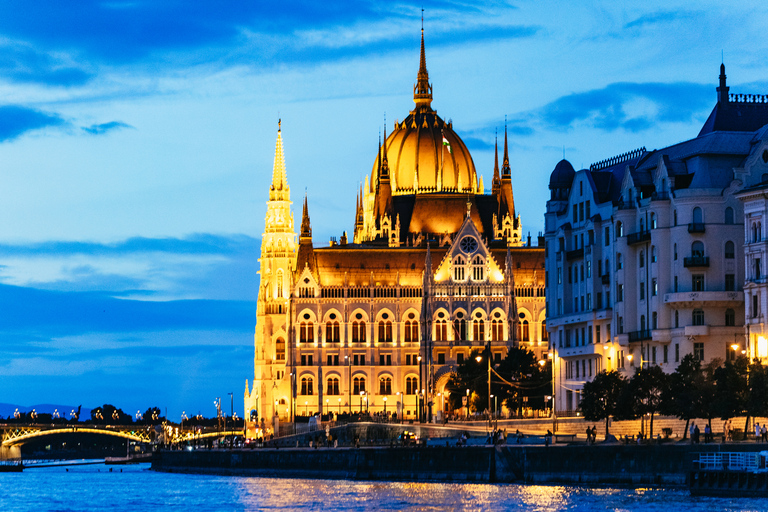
<point>306,229</point>
<point>722,91</point>
<point>496,181</point>
<point>506,172</point>
<point>422,91</point>
<point>384,161</point>
<point>279,181</point>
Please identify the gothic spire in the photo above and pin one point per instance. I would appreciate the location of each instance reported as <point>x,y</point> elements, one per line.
<point>279,181</point>
<point>496,181</point>
<point>422,91</point>
<point>506,172</point>
<point>306,228</point>
<point>384,161</point>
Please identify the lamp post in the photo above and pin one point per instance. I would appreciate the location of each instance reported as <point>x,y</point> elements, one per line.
<point>361,401</point>
<point>327,407</point>
<point>339,405</point>
<point>490,414</point>
<point>385,407</point>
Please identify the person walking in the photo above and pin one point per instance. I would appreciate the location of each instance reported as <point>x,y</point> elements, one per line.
<point>764,433</point>
<point>691,431</point>
<point>758,432</point>
<point>594,434</point>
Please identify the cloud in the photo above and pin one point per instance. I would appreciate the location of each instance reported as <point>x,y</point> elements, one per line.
<point>629,106</point>
<point>659,17</point>
<point>100,129</point>
<point>16,120</point>
<point>20,62</point>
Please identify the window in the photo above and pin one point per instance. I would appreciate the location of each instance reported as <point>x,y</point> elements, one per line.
<point>441,358</point>
<point>653,254</point>
<point>460,358</point>
<point>654,320</point>
<point>460,326</point>
<point>730,318</point>
<point>642,291</point>
<point>385,331</point>
<point>730,251</point>
<point>698,317</point>
<point>674,251</point>
<point>458,269</point>
<point>653,221</point>
<point>729,215</point>
<point>607,236</point>
<point>730,282</point>
<point>674,215</point>
<point>332,332</point>
<point>653,355</point>
<point>359,360</point>
<point>698,351</point>
<point>642,259</point>
<point>411,328</point>
<point>306,332</point>
<point>697,216</point>
<point>758,270</point>
<point>333,386</point>
<point>575,213</point>
<point>697,282</point>
<point>666,354</point>
<point>581,211</point>
<point>677,319</point>
<point>589,269</point>
<point>619,229</point>
<point>358,331</point>
<point>478,269</point>
<point>333,360</point>
<point>642,322</point>
<point>358,385</point>
<point>621,325</point>
<point>619,292</point>
<point>385,386</point>
<point>411,385</point>
<point>677,352</point>
<point>280,349</point>
<point>597,334</point>
<point>755,306</point>
<point>279,284</point>
<point>697,249</point>
<point>654,287</point>
<point>675,284</point>
<point>587,207</point>
<point>441,330</point>
<point>307,386</point>
<point>306,360</point>
<point>497,330</point>
<point>525,328</point>
<point>618,261</point>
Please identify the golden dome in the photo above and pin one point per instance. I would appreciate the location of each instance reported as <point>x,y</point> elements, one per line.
<point>423,152</point>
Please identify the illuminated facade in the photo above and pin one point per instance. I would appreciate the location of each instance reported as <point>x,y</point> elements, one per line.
<point>646,253</point>
<point>436,267</point>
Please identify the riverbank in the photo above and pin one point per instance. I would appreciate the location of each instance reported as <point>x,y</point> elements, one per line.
<point>606,464</point>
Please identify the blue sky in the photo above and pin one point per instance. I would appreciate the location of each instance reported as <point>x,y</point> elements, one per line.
<point>137,138</point>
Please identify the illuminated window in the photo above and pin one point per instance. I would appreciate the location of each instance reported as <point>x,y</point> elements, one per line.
<point>333,386</point>
<point>478,269</point>
<point>385,331</point>
<point>411,385</point>
<point>307,386</point>
<point>385,386</point>
<point>458,269</point>
<point>358,385</point>
<point>306,332</point>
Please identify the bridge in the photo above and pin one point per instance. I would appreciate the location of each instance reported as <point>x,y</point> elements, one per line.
<point>13,436</point>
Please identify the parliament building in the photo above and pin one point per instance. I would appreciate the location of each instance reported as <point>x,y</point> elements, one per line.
<point>436,267</point>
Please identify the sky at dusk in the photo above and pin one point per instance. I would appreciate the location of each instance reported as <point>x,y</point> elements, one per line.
<point>137,141</point>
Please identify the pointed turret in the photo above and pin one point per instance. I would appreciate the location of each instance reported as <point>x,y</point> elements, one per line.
<point>722,91</point>
<point>496,182</point>
<point>422,91</point>
<point>306,228</point>
<point>506,172</point>
<point>279,190</point>
<point>384,199</point>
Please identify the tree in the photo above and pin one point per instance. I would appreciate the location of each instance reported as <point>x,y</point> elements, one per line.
<point>470,375</point>
<point>601,398</point>
<point>520,379</point>
<point>644,394</point>
<point>731,381</point>
<point>684,394</point>
<point>756,400</point>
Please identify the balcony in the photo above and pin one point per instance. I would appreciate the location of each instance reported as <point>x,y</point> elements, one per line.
<point>643,335</point>
<point>574,254</point>
<point>683,300</point>
<point>606,278</point>
<point>696,261</point>
<point>696,227</point>
<point>640,236</point>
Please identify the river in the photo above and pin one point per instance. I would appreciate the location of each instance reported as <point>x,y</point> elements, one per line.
<point>135,487</point>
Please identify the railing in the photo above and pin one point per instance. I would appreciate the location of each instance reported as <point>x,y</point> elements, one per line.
<point>574,254</point>
<point>640,236</point>
<point>748,98</point>
<point>640,335</point>
<point>696,227</point>
<point>739,461</point>
<point>696,261</point>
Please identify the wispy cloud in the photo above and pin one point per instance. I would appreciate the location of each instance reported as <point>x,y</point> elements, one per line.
<point>658,17</point>
<point>20,62</point>
<point>629,106</point>
<point>17,120</point>
<point>100,129</point>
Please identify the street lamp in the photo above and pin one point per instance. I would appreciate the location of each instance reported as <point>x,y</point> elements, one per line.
<point>327,407</point>
<point>339,405</point>
<point>385,407</point>
<point>361,401</point>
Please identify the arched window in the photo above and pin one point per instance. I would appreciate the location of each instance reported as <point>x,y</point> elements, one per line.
<point>385,386</point>
<point>698,317</point>
<point>411,328</point>
<point>460,326</point>
<point>497,330</point>
<point>544,333</point>
<point>280,349</point>
<point>697,249</point>
<point>333,386</point>
<point>526,331</point>
<point>730,318</point>
<point>697,215</point>
<point>279,284</point>
<point>411,385</point>
<point>358,331</point>
<point>306,332</point>
<point>385,331</point>
<point>729,215</point>
<point>478,269</point>
<point>459,268</point>
<point>653,221</point>
<point>441,330</point>
<point>730,250</point>
<point>307,387</point>
<point>332,334</point>
<point>478,329</point>
<point>358,385</point>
